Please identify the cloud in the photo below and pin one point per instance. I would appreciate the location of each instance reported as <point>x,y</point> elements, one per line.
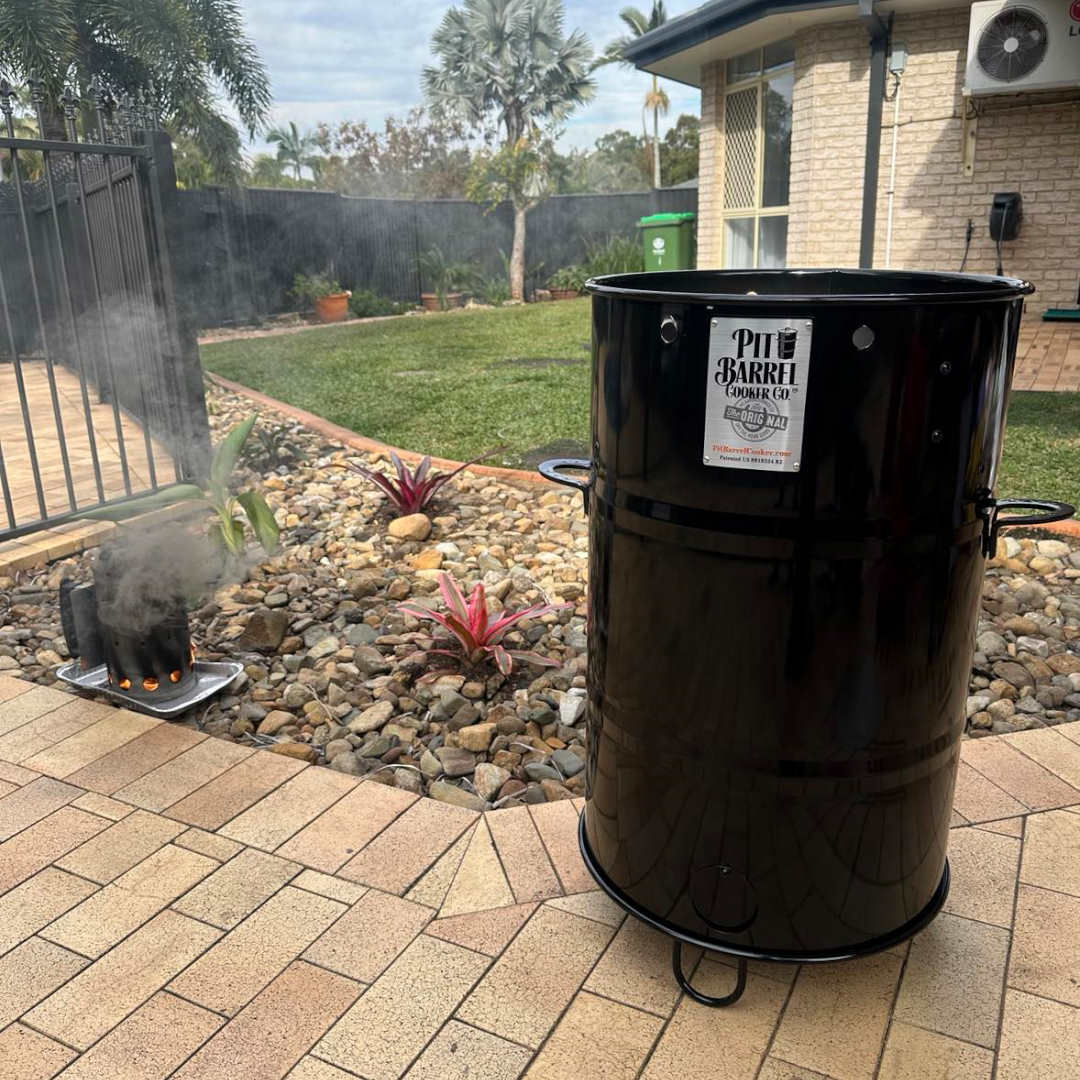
<point>330,61</point>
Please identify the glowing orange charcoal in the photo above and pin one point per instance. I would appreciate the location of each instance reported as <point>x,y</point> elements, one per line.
<point>125,684</point>
<point>174,676</point>
<point>150,683</point>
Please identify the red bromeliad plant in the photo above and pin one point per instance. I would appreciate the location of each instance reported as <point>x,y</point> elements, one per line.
<point>414,488</point>
<point>479,639</point>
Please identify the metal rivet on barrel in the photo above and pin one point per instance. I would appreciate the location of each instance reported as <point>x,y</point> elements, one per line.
<point>669,329</point>
<point>937,435</point>
<point>945,367</point>
<point>863,338</point>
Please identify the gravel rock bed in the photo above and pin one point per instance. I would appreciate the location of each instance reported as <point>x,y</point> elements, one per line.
<point>331,667</point>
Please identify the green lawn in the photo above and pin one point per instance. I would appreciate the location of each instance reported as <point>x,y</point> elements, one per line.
<point>460,384</point>
<point>446,385</point>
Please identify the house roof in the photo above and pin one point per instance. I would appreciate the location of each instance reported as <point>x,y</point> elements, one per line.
<point>722,28</point>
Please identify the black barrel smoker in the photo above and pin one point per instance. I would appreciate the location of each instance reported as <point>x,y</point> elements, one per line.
<point>791,503</point>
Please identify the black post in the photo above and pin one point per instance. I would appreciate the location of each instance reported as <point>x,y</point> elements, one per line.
<point>879,47</point>
<point>193,453</point>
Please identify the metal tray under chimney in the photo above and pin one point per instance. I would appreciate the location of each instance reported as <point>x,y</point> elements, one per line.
<point>210,677</point>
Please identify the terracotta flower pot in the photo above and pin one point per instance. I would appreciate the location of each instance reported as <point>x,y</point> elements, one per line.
<point>332,308</point>
<point>431,302</point>
<point>564,294</point>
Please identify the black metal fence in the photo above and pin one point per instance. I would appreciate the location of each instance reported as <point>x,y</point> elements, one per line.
<point>239,249</point>
<point>100,387</point>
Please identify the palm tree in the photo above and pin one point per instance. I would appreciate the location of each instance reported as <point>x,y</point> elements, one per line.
<point>293,148</point>
<point>656,100</point>
<point>509,65</point>
<point>183,54</point>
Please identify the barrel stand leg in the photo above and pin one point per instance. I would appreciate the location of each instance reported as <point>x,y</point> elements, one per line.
<point>705,999</point>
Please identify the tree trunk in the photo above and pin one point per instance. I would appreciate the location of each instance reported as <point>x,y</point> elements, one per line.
<point>656,135</point>
<point>517,255</point>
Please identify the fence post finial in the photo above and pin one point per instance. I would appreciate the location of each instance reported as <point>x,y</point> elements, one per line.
<point>125,114</point>
<point>7,92</point>
<point>70,103</point>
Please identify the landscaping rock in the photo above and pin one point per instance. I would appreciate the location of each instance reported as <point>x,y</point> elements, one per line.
<point>488,780</point>
<point>265,630</point>
<point>455,761</point>
<point>273,722</point>
<point>294,750</point>
<point>410,527</point>
<point>448,793</point>
<point>371,718</point>
<point>476,737</point>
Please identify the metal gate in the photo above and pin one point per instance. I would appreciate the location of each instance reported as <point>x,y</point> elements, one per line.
<point>100,388</point>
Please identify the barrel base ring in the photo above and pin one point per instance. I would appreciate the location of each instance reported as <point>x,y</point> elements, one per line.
<point>749,952</point>
<point>697,995</point>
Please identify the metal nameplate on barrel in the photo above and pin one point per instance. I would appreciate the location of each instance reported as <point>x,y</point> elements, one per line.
<point>755,393</point>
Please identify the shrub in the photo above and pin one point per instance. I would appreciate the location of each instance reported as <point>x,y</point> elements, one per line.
<point>307,288</point>
<point>476,637</point>
<point>414,488</point>
<point>569,277</point>
<point>615,254</point>
<point>365,304</point>
<point>491,290</point>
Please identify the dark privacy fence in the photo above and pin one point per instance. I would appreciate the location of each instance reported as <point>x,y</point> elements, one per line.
<point>238,250</point>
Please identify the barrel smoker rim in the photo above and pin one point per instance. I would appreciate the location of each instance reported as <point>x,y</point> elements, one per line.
<point>955,288</point>
<point>779,956</point>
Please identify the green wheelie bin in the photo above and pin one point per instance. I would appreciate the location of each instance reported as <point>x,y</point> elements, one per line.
<point>668,241</point>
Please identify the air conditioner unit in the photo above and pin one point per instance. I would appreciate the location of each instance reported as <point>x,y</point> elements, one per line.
<point>1027,45</point>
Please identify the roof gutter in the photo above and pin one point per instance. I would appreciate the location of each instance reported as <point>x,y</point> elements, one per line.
<point>878,30</point>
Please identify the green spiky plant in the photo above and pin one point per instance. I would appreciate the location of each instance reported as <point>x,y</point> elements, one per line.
<point>227,527</point>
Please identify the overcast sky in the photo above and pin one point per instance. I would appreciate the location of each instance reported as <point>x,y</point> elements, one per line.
<point>333,61</point>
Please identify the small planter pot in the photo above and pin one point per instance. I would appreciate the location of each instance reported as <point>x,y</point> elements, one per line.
<point>564,294</point>
<point>431,301</point>
<point>332,308</point>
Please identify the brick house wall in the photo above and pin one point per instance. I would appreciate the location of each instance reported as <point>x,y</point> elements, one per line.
<point>1026,144</point>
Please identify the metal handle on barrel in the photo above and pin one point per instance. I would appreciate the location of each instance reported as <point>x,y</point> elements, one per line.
<point>549,470</point>
<point>1047,510</point>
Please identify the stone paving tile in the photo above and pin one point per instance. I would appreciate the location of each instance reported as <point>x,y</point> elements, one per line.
<point>33,849</point>
<point>179,777</point>
<point>480,883</point>
<point>363,942</point>
<point>1045,956</point>
<point>334,836</point>
<point>1013,826</point>
<point>396,1017</point>
<point>311,1068</point>
<point>432,888</point>
<point>16,774</point>
<point>827,1004</point>
<point>234,791</point>
<point>982,881</point>
<point>6,788</point>
<point>400,854</point>
<point>276,1029</point>
<point>250,956</point>
<point>488,932</point>
<point>774,1069</point>
<point>154,1040</point>
<point>522,853</point>
<point>28,703</point>
<point>460,1052</point>
<point>132,760</point>
<point>31,803</point>
<point>233,891</point>
<point>636,969</point>
<point>1070,731</point>
<point>1017,774</point>
<point>111,988</point>
<point>103,806</point>
<point>11,687</point>
<point>287,809</point>
<point>38,735</point>
<point>557,824</point>
<point>978,799</point>
<point>953,979</point>
<point>32,971</point>
<point>700,1043</point>
<point>206,843</point>
<point>135,897</point>
<point>26,1055</point>
<point>120,847</point>
<point>591,905</point>
<point>914,1054</point>
<point>78,750</point>
<point>597,1038</point>
<point>1051,750</point>
<point>1051,856</point>
<point>347,892</point>
<point>1040,1039</point>
<point>529,986</point>
<point>36,902</point>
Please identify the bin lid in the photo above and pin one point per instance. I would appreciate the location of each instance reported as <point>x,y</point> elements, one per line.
<point>666,219</point>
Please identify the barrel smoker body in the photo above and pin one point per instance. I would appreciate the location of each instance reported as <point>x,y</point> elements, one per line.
<point>785,568</point>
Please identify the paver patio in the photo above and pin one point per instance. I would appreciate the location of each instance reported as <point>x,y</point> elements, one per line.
<point>324,927</point>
